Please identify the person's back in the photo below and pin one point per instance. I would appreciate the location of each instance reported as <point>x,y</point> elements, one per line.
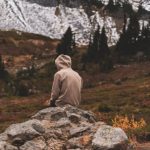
<point>67,83</point>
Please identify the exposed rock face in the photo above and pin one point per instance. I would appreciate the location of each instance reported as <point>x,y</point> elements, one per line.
<point>52,18</point>
<point>63,129</point>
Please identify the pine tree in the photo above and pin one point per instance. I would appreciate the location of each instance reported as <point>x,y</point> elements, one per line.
<point>128,43</point>
<point>132,32</point>
<point>104,49</point>
<point>2,67</point>
<point>98,51</point>
<point>133,27</point>
<point>93,47</point>
<point>127,7</point>
<point>104,61</point>
<point>66,44</point>
<point>111,6</point>
<point>99,4</point>
<point>121,46</point>
<point>124,23</point>
<point>141,10</point>
<point>144,40</point>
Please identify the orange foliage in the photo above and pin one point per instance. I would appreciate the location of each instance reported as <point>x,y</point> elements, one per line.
<point>128,124</point>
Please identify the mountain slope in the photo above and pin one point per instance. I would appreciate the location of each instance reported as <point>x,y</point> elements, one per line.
<point>52,20</point>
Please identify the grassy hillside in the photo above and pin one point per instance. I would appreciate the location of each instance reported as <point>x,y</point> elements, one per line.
<point>125,92</point>
<point>16,43</point>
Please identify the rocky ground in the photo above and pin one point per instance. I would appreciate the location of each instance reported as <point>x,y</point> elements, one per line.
<point>63,128</point>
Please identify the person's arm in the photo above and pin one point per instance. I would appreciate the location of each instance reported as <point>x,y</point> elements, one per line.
<point>55,90</point>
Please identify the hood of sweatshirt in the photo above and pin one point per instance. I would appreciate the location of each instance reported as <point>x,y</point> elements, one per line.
<point>63,62</point>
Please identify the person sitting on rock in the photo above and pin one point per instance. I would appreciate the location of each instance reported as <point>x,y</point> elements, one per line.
<point>67,84</point>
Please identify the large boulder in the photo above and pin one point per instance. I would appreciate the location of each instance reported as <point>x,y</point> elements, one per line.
<point>107,137</point>
<point>61,128</point>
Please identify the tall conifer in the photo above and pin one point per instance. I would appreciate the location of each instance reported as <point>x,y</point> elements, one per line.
<point>66,44</point>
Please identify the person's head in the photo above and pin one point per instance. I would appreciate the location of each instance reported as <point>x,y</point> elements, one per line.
<point>63,61</point>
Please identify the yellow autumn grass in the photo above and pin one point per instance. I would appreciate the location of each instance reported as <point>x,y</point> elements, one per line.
<point>128,124</point>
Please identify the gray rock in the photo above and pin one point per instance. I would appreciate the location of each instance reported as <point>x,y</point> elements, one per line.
<point>63,128</point>
<point>53,133</point>
<point>3,137</point>
<point>95,126</point>
<point>51,113</point>
<point>55,144</point>
<point>74,118</point>
<point>78,131</point>
<point>118,82</point>
<point>109,138</point>
<point>36,144</point>
<point>24,131</point>
<point>63,122</point>
<point>86,115</point>
<point>74,143</point>
<point>74,149</point>
<point>17,141</point>
<point>38,127</point>
<point>7,146</point>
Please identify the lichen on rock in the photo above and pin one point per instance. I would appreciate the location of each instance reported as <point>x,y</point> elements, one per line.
<point>63,128</point>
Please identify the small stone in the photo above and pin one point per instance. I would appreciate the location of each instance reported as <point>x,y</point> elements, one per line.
<point>62,123</point>
<point>79,142</point>
<point>89,116</point>
<point>118,82</point>
<point>78,131</point>
<point>55,144</point>
<point>36,144</point>
<point>74,143</point>
<point>3,137</point>
<point>38,128</point>
<point>74,118</point>
<point>7,146</point>
<point>17,142</point>
<point>51,113</point>
<point>24,131</point>
<point>109,138</point>
<point>53,133</point>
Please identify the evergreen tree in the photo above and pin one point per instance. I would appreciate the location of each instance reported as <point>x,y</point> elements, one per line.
<point>127,7</point>
<point>111,6</point>
<point>98,51</point>
<point>104,49</point>
<point>2,67</point>
<point>132,32</point>
<point>97,3</point>
<point>93,47</point>
<point>66,44</point>
<point>104,61</point>
<point>141,10</point>
<point>121,47</point>
<point>124,23</point>
<point>121,44</point>
<point>133,27</point>
<point>144,40</point>
<point>128,42</point>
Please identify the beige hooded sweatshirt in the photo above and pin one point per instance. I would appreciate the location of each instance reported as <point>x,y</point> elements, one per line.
<point>67,83</point>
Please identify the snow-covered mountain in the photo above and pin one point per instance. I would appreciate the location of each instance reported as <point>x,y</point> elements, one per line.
<point>47,17</point>
<point>135,3</point>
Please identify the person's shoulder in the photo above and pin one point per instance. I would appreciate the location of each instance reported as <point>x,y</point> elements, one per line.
<point>76,73</point>
<point>57,74</point>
